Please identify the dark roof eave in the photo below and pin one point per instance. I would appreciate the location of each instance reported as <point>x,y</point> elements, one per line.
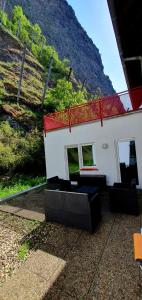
<point>114,23</point>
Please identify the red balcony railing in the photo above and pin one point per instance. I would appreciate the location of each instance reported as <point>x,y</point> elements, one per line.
<point>93,110</point>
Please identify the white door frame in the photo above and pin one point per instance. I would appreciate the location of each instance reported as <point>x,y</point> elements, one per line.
<point>66,157</point>
<point>118,158</point>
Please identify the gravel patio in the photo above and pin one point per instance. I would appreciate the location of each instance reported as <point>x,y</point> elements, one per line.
<point>99,266</point>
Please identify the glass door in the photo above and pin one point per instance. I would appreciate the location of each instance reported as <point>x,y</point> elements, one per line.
<point>73,162</point>
<point>128,162</point>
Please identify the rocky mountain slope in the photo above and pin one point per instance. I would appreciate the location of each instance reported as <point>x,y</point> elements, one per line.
<point>32,87</point>
<point>62,30</point>
<point>21,140</point>
<point>21,125</point>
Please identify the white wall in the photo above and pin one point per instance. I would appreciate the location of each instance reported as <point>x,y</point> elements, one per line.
<point>124,127</point>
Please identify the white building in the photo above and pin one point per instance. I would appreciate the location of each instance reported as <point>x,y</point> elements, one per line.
<point>110,145</point>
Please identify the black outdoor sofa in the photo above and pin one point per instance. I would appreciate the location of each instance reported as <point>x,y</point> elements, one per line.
<point>77,206</point>
<point>73,209</point>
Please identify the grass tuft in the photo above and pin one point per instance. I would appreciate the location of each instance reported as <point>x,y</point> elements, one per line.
<point>23,251</point>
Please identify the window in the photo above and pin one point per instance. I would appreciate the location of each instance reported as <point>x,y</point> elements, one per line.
<point>80,157</point>
<point>88,155</point>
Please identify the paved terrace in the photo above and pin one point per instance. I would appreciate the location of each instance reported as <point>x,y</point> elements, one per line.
<point>66,263</point>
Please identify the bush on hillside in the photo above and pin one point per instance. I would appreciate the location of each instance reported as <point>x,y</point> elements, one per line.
<point>63,96</point>
<point>17,147</point>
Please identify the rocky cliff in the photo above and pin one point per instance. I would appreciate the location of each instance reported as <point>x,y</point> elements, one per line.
<point>62,30</point>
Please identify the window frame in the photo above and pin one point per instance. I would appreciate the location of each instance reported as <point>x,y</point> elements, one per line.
<point>81,155</point>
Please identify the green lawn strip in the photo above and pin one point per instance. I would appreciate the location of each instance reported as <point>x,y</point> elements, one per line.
<point>19,185</point>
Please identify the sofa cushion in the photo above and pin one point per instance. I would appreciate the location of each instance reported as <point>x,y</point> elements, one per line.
<point>90,190</point>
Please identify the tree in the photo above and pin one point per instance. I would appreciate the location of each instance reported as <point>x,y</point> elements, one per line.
<point>63,96</point>
<point>36,33</point>
<point>4,20</point>
<point>20,24</point>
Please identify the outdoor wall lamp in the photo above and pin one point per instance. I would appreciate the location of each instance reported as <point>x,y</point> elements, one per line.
<point>105,146</point>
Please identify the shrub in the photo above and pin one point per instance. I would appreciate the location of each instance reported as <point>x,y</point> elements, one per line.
<point>17,147</point>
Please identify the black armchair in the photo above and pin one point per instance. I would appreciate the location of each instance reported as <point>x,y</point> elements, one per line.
<point>123,198</point>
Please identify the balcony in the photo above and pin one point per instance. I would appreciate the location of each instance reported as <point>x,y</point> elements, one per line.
<point>95,110</point>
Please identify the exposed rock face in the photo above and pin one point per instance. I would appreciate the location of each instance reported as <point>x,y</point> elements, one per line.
<point>62,30</point>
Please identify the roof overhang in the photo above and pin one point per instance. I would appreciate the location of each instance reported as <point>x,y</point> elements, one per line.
<point>126,18</point>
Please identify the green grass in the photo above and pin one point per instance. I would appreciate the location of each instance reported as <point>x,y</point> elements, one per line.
<point>19,184</point>
<point>23,251</point>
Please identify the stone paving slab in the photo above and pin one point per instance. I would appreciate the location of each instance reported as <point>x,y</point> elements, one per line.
<point>9,209</point>
<point>24,285</point>
<point>33,283</point>
<point>20,225</point>
<point>44,264</point>
<point>25,213</point>
<point>31,215</point>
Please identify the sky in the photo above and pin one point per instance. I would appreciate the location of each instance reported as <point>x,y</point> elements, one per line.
<point>94,17</point>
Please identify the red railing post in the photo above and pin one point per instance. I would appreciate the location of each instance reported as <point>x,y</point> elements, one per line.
<point>101,112</point>
<point>69,116</point>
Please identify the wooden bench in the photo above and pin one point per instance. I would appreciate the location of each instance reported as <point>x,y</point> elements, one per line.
<point>138,248</point>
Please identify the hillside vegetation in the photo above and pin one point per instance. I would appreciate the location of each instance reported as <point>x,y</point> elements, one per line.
<point>21,138</point>
<point>62,29</point>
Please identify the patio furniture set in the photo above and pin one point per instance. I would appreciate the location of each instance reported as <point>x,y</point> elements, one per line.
<point>79,205</point>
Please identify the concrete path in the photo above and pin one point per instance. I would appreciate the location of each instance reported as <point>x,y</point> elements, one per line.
<point>25,213</point>
<point>34,278</point>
